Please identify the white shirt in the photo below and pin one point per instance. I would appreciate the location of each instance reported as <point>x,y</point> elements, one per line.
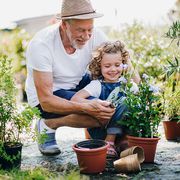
<point>94,87</point>
<point>46,53</point>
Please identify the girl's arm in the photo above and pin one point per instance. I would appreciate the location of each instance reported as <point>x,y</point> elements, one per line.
<point>81,96</point>
<point>92,89</point>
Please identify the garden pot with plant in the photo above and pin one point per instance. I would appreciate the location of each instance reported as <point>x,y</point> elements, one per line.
<point>143,116</point>
<point>171,122</point>
<point>15,120</point>
<point>171,103</point>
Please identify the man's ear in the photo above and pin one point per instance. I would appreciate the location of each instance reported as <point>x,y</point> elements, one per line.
<point>64,24</point>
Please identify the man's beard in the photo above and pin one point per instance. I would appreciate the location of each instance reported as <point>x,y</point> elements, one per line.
<point>73,42</point>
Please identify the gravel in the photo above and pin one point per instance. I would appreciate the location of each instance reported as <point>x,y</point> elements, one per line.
<point>165,167</point>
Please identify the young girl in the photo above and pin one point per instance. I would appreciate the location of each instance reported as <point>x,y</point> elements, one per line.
<point>108,63</point>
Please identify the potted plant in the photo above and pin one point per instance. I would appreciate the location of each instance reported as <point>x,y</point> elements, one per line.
<point>14,119</point>
<point>171,121</point>
<point>143,116</point>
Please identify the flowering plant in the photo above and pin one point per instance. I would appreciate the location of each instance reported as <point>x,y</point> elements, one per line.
<point>144,109</point>
<point>13,120</point>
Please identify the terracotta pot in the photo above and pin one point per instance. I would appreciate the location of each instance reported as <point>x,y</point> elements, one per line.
<point>171,130</point>
<point>91,155</point>
<point>13,150</point>
<point>178,130</point>
<point>129,163</point>
<point>134,150</point>
<point>86,133</point>
<point>148,144</point>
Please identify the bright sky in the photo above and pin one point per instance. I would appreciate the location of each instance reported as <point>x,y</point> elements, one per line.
<point>148,11</point>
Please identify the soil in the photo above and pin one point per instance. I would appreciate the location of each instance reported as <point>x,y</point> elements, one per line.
<point>165,167</point>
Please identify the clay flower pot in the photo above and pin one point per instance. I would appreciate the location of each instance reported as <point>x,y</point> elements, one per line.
<point>148,144</point>
<point>91,155</point>
<point>129,163</point>
<point>134,150</point>
<point>171,130</point>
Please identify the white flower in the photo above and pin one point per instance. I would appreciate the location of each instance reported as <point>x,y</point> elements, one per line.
<point>123,79</point>
<point>2,93</point>
<point>154,89</point>
<point>145,76</point>
<point>121,65</point>
<point>125,66</point>
<point>134,89</point>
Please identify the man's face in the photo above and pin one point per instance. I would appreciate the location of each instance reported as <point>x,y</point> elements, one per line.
<point>79,32</point>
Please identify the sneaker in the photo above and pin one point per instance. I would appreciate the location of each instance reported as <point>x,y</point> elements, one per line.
<point>111,151</point>
<point>46,142</point>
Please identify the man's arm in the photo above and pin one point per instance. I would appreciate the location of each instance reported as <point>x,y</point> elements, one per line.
<point>51,103</point>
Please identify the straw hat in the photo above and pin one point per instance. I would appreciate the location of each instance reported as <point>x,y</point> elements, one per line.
<point>77,9</point>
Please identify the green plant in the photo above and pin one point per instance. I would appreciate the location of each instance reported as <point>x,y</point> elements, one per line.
<point>40,173</point>
<point>144,109</point>
<point>14,44</point>
<point>172,77</point>
<point>148,50</point>
<point>15,119</point>
<point>172,69</point>
<point>172,73</point>
<point>172,105</point>
<point>174,32</point>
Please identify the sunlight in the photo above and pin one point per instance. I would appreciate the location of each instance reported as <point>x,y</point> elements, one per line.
<point>115,11</point>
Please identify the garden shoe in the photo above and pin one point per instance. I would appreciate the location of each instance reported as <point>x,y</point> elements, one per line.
<point>111,151</point>
<point>46,141</point>
<point>121,144</point>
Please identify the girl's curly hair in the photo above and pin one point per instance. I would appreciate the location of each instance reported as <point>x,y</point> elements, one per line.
<point>109,48</point>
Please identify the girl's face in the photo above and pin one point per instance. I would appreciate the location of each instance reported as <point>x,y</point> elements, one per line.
<point>110,67</point>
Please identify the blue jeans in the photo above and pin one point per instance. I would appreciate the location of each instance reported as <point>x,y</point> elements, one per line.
<point>101,133</point>
<point>113,127</point>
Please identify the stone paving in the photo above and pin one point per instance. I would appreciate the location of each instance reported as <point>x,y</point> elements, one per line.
<point>166,166</point>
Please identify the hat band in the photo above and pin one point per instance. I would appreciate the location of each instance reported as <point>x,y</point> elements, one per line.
<point>78,14</point>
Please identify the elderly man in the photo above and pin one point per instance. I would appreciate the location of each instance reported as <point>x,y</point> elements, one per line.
<point>57,59</point>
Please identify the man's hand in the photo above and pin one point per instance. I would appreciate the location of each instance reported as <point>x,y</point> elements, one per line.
<point>99,109</point>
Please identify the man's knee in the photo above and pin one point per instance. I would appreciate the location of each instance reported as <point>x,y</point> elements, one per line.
<point>97,133</point>
<point>66,94</point>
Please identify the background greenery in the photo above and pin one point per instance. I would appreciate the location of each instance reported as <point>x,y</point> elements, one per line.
<point>149,48</point>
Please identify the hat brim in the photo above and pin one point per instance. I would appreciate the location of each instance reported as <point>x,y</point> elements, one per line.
<point>84,16</point>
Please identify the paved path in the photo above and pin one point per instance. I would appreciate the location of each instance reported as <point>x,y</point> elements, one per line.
<point>166,166</point>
